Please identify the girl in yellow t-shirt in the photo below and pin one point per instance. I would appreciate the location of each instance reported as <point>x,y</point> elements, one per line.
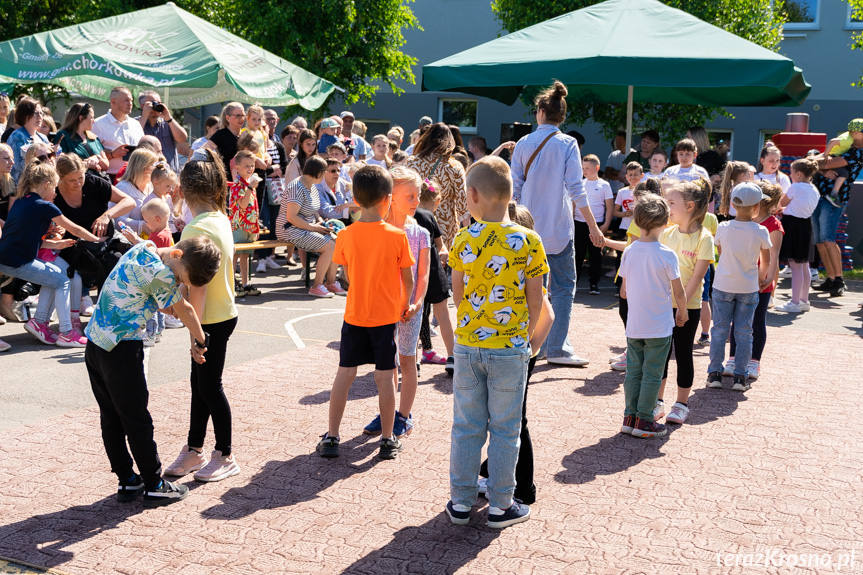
<point>693,244</point>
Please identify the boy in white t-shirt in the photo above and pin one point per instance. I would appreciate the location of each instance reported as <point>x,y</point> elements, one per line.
<point>686,170</point>
<point>624,201</point>
<point>740,242</point>
<point>601,200</point>
<point>651,273</point>
<point>658,163</point>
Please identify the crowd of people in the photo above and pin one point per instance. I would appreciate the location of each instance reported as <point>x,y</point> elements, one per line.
<point>108,206</point>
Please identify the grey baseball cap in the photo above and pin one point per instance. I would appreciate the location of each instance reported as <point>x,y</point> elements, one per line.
<point>747,194</point>
<point>425,120</point>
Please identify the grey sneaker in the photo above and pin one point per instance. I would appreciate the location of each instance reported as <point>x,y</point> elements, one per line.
<point>390,448</point>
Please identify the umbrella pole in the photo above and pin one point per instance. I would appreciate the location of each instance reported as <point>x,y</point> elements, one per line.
<point>629,93</point>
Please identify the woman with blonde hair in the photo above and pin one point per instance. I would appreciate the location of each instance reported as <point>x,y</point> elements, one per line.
<point>135,183</point>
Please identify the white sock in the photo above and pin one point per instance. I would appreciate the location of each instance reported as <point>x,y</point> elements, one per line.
<point>461,508</point>
<point>497,510</point>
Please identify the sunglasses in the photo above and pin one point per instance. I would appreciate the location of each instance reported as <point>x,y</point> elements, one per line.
<point>43,158</point>
<point>332,171</point>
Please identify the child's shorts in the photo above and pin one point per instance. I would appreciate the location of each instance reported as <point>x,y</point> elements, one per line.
<point>364,345</point>
<point>409,334</point>
<point>241,236</point>
<point>708,283</point>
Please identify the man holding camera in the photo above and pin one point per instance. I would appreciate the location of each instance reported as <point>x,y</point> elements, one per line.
<point>156,120</point>
<point>117,130</point>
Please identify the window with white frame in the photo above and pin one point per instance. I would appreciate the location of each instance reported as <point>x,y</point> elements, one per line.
<point>721,139</point>
<point>461,112</point>
<point>802,14</point>
<point>854,21</point>
<point>764,136</point>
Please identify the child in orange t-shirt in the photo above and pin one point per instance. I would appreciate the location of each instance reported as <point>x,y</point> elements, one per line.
<point>377,260</point>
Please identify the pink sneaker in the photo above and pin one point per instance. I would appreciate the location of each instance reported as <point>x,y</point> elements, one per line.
<point>76,324</point>
<point>336,288</point>
<point>72,338</point>
<point>41,331</point>
<point>320,291</point>
<point>220,467</point>
<point>188,461</point>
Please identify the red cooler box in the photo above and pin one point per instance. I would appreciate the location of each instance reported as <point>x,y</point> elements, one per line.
<point>796,144</point>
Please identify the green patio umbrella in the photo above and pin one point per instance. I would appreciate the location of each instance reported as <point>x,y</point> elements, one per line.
<point>189,60</point>
<point>625,51</point>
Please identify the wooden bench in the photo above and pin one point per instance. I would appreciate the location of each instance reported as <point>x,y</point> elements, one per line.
<point>272,244</point>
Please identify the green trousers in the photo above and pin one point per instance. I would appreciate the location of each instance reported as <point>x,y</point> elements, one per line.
<point>645,362</point>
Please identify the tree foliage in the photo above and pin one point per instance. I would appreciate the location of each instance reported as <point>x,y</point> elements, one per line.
<point>759,21</point>
<point>857,39</point>
<point>352,43</point>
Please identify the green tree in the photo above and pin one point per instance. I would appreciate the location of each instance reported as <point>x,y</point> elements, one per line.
<point>759,21</point>
<point>356,44</point>
<point>857,39</point>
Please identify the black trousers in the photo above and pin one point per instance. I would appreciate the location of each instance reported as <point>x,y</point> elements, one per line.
<point>425,328</point>
<point>117,380</point>
<point>583,246</point>
<point>682,339</point>
<point>208,395</point>
<point>525,490</point>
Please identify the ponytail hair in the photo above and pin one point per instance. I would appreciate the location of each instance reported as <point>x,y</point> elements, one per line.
<point>552,101</point>
<point>699,193</point>
<point>203,182</point>
<point>35,175</point>
<point>730,178</point>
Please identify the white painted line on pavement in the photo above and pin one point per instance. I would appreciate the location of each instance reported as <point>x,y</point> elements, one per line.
<point>299,308</point>
<point>289,326</point>
<point>332,309</point>
<point>258,307</point>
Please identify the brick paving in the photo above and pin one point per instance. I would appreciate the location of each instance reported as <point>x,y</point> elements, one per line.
<point>776,468</point>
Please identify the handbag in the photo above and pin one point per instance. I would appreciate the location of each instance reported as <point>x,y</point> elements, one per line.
<point>275,190</point>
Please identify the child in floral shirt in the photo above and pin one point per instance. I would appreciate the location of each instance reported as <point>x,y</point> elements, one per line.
<point>243,213</point>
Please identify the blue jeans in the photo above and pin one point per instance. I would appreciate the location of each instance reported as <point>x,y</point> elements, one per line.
<point>739,308</point>
<point>55,288</point>
<point>825,221</point>
<point>488,392</point>
<point>561,290</point>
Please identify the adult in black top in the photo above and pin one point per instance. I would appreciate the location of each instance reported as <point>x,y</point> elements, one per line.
<point>438,286</point>
<point>225,140</point>
<point>83,198</point>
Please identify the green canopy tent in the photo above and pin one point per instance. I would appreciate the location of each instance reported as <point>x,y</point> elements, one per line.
<point>190,61</point>
<point>625,51</point>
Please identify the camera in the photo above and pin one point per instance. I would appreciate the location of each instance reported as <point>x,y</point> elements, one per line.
<point>158,107</point>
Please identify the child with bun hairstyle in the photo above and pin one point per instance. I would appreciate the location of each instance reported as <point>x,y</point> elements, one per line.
<point>799,202</point>
<point>766,218</point>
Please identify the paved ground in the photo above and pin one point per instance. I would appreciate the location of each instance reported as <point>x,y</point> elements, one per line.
<point>771,471</point>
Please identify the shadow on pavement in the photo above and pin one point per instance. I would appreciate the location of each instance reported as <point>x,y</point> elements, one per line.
<point>610,456</point>
<point>606,383</point>
<point>364,386</point>
<point>44,539</point>
<point>436,546</point>
<point>285,483</point>
<point>708,405</point>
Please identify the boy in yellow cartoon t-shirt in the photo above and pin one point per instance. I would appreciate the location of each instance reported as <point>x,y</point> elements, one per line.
<point>497,283</point>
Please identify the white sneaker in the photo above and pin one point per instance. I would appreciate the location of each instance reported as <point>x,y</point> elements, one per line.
<point>262,267</point>
<point>728,370</point>
<point>790,307</point>
<point>433,332</point>
<point>771,303</point>
<point>149,341</point>
<point>188,461</point>
<point>678,414</point>
<point>572,360</point>
<point>754,369</point>
<point>659,410</point>
<point>785,272</point>
<point>87,307</point>
<point>172,322</point>
<point>813,273</point>
<point>616,358</point>
<point>271,264</point>
<point>303,275</point>
<point>220,467</point>
<point>619,365</point>
<point>804,306</point>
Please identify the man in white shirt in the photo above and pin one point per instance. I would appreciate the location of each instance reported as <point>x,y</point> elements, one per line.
<point>117,129</point>
<point>614,164</point>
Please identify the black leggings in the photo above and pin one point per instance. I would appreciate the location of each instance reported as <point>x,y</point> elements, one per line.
<point>525,490</point>
<point>208,395</point>
<point>682,339</point>
<point>583,246</point>
<point>425,329</point>
<point>759,328</point>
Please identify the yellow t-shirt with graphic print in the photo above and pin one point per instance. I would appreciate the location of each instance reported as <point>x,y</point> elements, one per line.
<point>496,259</point>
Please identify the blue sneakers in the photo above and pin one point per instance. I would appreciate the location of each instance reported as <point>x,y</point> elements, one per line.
<point>373,428</point>
<point>517,513</point>
<point>403,425</point>
<point>457,517</point>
